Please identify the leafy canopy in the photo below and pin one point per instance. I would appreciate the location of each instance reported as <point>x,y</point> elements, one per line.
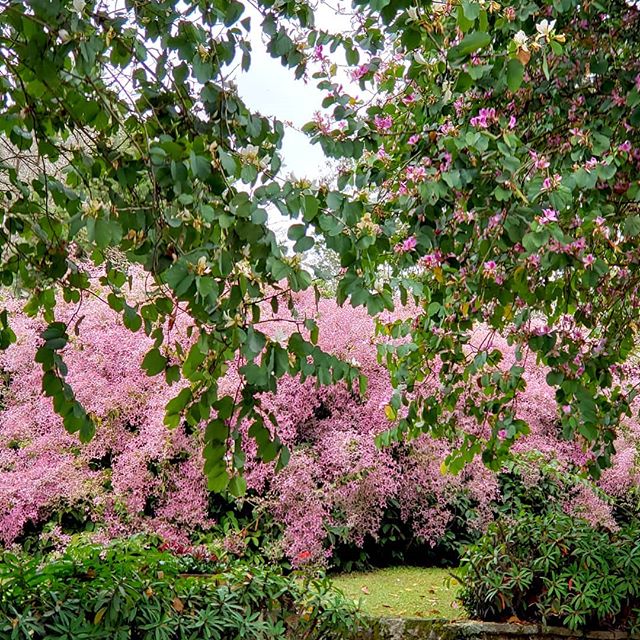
<point>490,178</point>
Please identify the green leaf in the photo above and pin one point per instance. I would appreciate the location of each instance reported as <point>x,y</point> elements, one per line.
<point>237,486</point>
<point>471,42</point>
<point>255,342</point>
<point>228,162</point>
<point>311,206</point>
<point>154,362</point>
<point>178,404</point>
<point>352,55</point>
<point>131,319</point>
<point>471,9</point>
<point>296,231</point>
<point>632,225</point>
<point>515,74</point>
<point>224,407</point>
<point>303,244</point>
<point>218,482</point>
<point>334,200</point>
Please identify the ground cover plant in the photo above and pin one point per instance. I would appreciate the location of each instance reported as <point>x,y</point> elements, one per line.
<point>133,590</point>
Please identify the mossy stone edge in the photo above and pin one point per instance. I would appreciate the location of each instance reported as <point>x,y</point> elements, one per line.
<point>420,629</point>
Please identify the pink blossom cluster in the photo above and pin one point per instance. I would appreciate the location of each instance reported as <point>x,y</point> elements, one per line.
<point>135,474</point>
<point>485,118</point>
<point>138,475</point>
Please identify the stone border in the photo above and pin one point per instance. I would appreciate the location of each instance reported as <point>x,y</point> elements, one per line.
<point>421,629</point>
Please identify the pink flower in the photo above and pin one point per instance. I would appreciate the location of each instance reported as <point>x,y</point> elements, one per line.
<point>409,244</point>
<point>431,260</point>
<point>618,100</point>
<point>591,164</point>
<point>489,267</point>
<point>413,139</point>
<point>409,99</point>
<point>317,53</point>
<point>625,146</point>
<point>359,72</point>
<point>484,119</point>
<point>548,215</point>
<point>589,260</point>
<point>445,165</point>
<point>551,182</point>
<point>533,261</point>
<point>512,122</point>
<point>447,128</point>
<point>383,123</point>
<point>416,174</point>
<point>323,123</point>
<point>502,434</point>
<point>539,162</point>
<point>382,154</point>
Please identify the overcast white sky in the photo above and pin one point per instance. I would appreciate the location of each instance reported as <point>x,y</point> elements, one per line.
<point>271,89</point>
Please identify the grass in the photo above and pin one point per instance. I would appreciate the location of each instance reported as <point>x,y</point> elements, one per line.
<point>403,592</point>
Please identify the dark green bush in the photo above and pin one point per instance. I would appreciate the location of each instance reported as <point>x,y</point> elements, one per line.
<point>556,569</point>
<point>130,590</point>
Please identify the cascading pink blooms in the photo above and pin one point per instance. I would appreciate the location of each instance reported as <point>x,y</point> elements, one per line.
<point>138,475</point>
<point>127,468</point>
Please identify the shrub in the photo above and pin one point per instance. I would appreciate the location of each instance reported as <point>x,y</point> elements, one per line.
<point>131,590</point>
<point>554,568</point>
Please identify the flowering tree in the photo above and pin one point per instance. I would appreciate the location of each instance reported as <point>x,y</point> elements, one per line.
<point>492,179</point>
<point>498,185</point>
<point>135,474</point>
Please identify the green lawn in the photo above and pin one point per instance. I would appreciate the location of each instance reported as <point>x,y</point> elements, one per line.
<point>403,592</point>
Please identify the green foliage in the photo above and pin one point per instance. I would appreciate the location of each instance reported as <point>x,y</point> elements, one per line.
<point>131,590</point>
<point>497,187</point>
<point>125,154</point>
<point>397,544</point>
<point>554,568</point>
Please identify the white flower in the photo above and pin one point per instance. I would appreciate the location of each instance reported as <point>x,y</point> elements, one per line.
<point>446,91</point>
<point>201,266</point>
<point>78,5</point>
<point>545,29</point>
<point>412,12</point>
<point>249,155</point>
<point>419,58</point>
<point>280,337</point>
<point>63,34</point>
<point>521,39</point>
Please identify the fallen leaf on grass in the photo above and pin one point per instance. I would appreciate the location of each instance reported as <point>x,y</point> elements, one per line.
<point>177,604</point>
